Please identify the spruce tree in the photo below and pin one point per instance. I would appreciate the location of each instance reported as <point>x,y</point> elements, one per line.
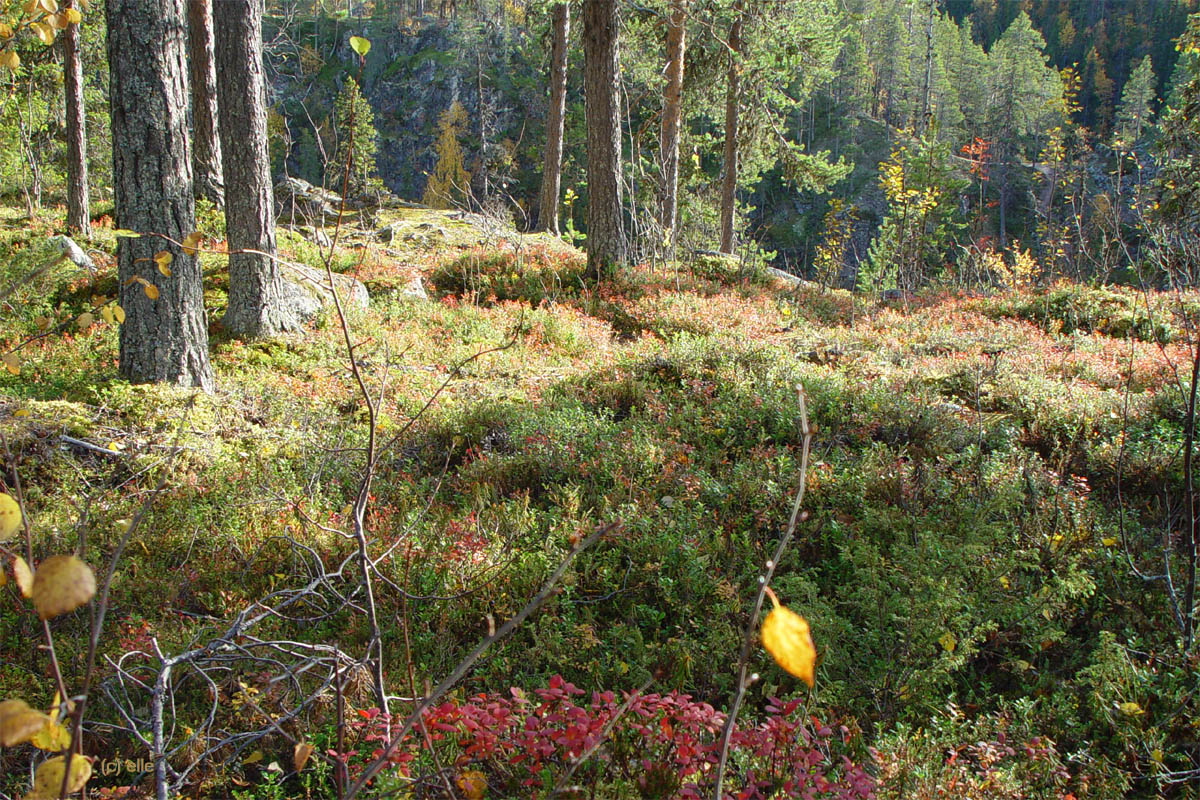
<point>355,126</point>
<point>1136,106</point>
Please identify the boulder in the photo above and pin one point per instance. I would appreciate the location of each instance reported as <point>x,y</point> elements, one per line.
<point>73,252</point>
<point>307,289</point>
<point>298,201</point>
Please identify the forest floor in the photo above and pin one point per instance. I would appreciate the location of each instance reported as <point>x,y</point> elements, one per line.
<point>965,565</point>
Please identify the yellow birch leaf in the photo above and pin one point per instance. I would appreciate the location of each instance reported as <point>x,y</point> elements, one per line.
<point>785,635</point>
<point>12,363</point>
<point>23,575</point>
<point>360,45</point>
<point>300,754</point>
<point>253,758</point>
<point>62,584</point>
<point>1109,541</point>
<point>43,32</point>
<point>21,412</point>
<point>6,30</point>
<point>48,779</point>
<point>30,7</point>
<point>106,314</point>
<point>191,242</point>
<point>1130,709</point>
<point>10,59</point>
<point>151,290</point>
<point>125,233</point>
<point>118,314</point>
<point>19,723</point>
<point>948,642</point>
<point>21,727</point>
<point>1156,756</point>
<point>163,260</point>
<point>10,517</point>
<point>73,16</point>
<point>3,579</point>
<point>53,738</point>
<point>49,6</point>
<point>85,320</point>
<point>42,323</point>
<point>57,21</point>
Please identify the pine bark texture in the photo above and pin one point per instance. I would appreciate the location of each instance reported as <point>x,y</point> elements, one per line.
<point>556,114</point>
<point>732,101</point>
<point>606,244</point>
<point>672,119</point>
<point>78,214</point>
<point>165,338</point>
<point>206,147</point>
<point>256,288</point>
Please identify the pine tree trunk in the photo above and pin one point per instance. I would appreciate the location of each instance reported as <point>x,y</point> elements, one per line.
<point>602,116</point>
<point>78,215</point>
<point>732,99</point>
<point>552,165</point>
<point>206,147</point>
<point>256,291</point>
<point>166,338</point>
<point>672,119</point>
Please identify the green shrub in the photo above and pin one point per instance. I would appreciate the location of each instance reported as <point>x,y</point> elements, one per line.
<point>532,275</point>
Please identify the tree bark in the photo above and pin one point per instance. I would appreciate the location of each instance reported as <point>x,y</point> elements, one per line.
<point>732,99</point>
<point>672,119</point>
<point>256,290</point>
<point>602,116</point>
<point>163,338</point>
<point>78,215</point>
<point>552,164</point>
<point>206,146</point>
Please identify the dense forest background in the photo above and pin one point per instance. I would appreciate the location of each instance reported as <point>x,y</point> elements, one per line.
<point>1088,78</point>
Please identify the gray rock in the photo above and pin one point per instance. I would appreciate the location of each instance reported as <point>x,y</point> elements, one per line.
<point>73,252</point>
<point>298,201</point>
<point>415,289</point>
<point>308,289</point>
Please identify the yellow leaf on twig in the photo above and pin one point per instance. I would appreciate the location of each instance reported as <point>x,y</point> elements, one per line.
<point>62,584</point>
<point>786,636</point>
<point>19,723</point>
<point>23,575</point>
<point>10,517</point>
<point>48,779</point>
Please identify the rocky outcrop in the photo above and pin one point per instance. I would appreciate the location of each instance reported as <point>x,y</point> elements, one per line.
<point>298,202</point>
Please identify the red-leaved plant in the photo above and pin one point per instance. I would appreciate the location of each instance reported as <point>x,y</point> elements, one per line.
<point>663,745</point>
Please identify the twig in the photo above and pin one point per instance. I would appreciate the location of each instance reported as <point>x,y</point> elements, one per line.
<point>95,448</point>
<point>744,682</point>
